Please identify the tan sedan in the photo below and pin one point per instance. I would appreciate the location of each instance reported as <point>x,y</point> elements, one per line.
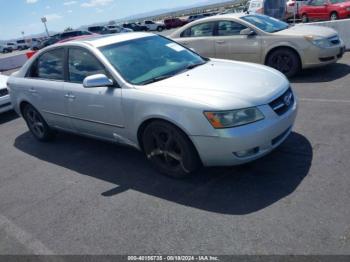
<point>262,39</point>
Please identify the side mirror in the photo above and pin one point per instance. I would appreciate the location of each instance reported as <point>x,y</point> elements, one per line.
<point>97,81</point>
<point>247,32</point>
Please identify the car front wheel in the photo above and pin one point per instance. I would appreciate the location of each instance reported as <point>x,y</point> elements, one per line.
<point>284,60</point>
<point>304,18</point>
<point>169,150</point>
<point>334,16</point>
<point>36,124</point>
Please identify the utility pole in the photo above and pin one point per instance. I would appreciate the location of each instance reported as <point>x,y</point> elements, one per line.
<point>44,20</point>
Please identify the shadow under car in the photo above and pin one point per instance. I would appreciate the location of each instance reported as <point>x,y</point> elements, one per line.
<point>234,190</point>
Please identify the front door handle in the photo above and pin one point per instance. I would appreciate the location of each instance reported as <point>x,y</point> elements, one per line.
<point>69,96</point>
<point>185,43</point>
<point>220,42</point>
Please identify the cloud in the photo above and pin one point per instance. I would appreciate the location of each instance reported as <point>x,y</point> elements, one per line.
<point>96,3</point>
<point>70,3</point>
<point>69,11</point>
<point>31,1</point>
<point>52,17</point>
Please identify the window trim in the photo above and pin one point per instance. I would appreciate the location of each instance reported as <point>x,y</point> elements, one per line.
<point>35,63</point>
<point>108,73</point>
<point>189,28</point>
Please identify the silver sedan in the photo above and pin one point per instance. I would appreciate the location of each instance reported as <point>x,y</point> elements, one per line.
<point>146,91</point>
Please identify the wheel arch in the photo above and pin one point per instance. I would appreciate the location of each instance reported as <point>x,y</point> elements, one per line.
<point>141,128</point>
<point>285,46</point>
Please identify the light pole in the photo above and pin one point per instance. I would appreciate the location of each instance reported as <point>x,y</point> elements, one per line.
<point>44,20</point>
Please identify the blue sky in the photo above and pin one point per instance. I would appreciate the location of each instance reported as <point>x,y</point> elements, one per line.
<point>24,15</point>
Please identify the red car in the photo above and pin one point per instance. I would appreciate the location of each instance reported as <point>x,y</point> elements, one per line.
<point>325,10</point>
<point>174,23</point>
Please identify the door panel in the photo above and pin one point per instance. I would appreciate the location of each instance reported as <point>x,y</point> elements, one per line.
<point>94,111</point>
<point>200,38</point>
<point>46,77</point>
<point>230,44</point>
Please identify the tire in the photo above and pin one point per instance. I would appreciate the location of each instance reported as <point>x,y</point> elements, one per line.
<point>169,150</point>
<point>284,60</point>
<point>334,16</point>
<point>304,18</point>
<point>159,28</point>
<point>36,124</point>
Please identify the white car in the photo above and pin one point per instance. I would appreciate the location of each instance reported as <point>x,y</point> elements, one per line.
<point>5,48</point>
<point>153,26</point>
<point>12,45</point>
<point>5,101</point>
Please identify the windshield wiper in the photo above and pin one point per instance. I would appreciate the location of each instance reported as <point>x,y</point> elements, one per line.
<point>191,66</point>
<point>156,79</point>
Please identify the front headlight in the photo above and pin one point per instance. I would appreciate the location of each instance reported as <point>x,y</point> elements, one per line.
<point>226,119</point>
<point>319,41</point>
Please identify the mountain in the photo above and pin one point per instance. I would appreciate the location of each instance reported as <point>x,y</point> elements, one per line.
<point>170,10</point>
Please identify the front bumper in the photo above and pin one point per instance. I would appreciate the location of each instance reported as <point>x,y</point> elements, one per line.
<point>315,56</point>
<point>5,104</point>
<point>263,136</point>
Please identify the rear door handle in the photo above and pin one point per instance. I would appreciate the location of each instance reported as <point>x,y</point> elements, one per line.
<point>220,42</point>
<point>185,43</point>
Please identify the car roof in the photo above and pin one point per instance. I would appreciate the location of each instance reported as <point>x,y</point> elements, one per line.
<point>103,40</point>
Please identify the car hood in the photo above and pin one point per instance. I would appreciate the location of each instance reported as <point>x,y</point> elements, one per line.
<point>223,85</point>
<point>308,30</point>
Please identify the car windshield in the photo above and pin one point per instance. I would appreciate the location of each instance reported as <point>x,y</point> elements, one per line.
<point>150,59</point>
<point>266,23</point>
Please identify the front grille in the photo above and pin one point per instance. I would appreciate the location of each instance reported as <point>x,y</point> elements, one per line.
<point>4,92</point>
<point>282,104</point>
<point>334,40</point>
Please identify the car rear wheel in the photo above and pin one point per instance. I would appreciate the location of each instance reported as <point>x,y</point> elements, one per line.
<point>304,18</point>
<point>169,150</point>
<point>36,124</point>
<point>159,28</point>
<point>284,60</point>
<point>334,16</point>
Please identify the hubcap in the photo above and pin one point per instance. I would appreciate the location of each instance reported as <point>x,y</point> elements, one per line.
<point>165,149</point>
<point>283,63</point>
<point>333,17</point>
<point>35,123</point>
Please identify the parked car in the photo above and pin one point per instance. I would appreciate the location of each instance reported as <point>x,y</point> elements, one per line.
<point>115,29</point>
<point>174,23</point>
<point>12,45</point>
<point>50,41</point>
<point>135,27</point>
<point>22,44</point>
<point>73,33</point>
<point>5,101</point>
<point>4,48</point>
<point>192,18</point>
<point>325,10</point>
<point>149,92</point>
<point>98,29</point>
<point>153,26</point>
<point>264,40</point>
<point>294,6</point>
<point>35,44</point>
